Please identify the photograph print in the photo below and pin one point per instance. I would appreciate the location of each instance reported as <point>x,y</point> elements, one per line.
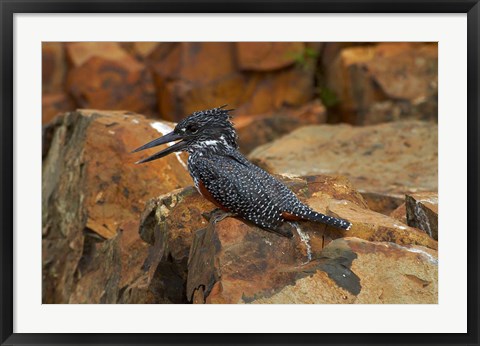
<point>240,173</point>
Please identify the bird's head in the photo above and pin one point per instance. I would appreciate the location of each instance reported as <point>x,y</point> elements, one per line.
<point>204,130</point>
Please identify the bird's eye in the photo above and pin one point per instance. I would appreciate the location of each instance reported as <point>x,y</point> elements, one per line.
<point>192,129</point>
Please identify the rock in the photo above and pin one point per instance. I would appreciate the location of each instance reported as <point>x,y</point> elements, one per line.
<point>350,270</point>
<point>183,71</point>
<point>232,262</point>
<point>366,75</point>
<point>168,224</point>
<point>291,87</point>
<point>400,213</point>
<point>54,104</point>
<point>395,110</point>
<point>138,293</point>
<point>98,272</point>
<point>261,129</point>
<point>267,56</point>
<point>79,53</point>
<point>382,203</point>
<point>179,98</point>
<point>104,76</point>
<point>197,62</point>
<point>390,159</point>
<point>91,188</point>
<point>422,212</point>
<point>372,226</point>
<point>54,67</point>
<point>331,50</point>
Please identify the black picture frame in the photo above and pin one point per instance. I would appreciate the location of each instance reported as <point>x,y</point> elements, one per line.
<point>10,7</point>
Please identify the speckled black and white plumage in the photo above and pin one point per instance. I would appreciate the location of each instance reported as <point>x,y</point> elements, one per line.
<point>234,182</point>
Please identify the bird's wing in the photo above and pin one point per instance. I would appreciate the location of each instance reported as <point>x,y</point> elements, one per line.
<point>240,188</point>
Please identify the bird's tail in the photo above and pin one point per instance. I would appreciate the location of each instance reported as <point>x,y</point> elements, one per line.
<point>309,214</point>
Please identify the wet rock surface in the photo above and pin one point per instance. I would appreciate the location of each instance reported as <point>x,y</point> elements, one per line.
<point>92,199</point>
<point>387,160</point>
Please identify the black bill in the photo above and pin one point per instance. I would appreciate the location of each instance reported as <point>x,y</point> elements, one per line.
<point>170,137</point>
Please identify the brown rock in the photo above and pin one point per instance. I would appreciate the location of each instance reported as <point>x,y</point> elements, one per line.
<point>292,87</point>
<point>79,53</point>
<point>233,262</point>
<point>356,271</point>
<point>104,76</point>
<point>91,186</point>
<point>138,293</point>
<point>331,50</point>
<point>395,110</point>
<point>369,225</point>
<point>147,49</point>
<point>400,213</point>
<point>422,212</point>
<point>267,56</point>
<point>97,275</point>
<point>389,159</point>
<point>54,66</point>
<point>197,62</point>
<point>168,224</point>
<point>382,203</point>
<point>261,129</point>
<point>54,104</point>
<point>365,75</point>
<point>184,70</point>
<point>180,98</point>
<point>233,90</point>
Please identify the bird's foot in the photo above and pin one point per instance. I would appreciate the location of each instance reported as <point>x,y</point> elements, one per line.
<point>216,215</point>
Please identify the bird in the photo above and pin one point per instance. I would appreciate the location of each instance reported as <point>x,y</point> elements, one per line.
<point>226,178</point>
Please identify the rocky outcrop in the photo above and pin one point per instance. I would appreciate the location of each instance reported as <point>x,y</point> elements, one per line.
<point>115,232</point>
<point>383,161</point>
<point>92,199</point>
<point>201,256</point>
<point>422,212</point>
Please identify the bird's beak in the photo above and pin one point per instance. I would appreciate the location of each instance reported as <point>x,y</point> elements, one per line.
<point>170,137</point>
